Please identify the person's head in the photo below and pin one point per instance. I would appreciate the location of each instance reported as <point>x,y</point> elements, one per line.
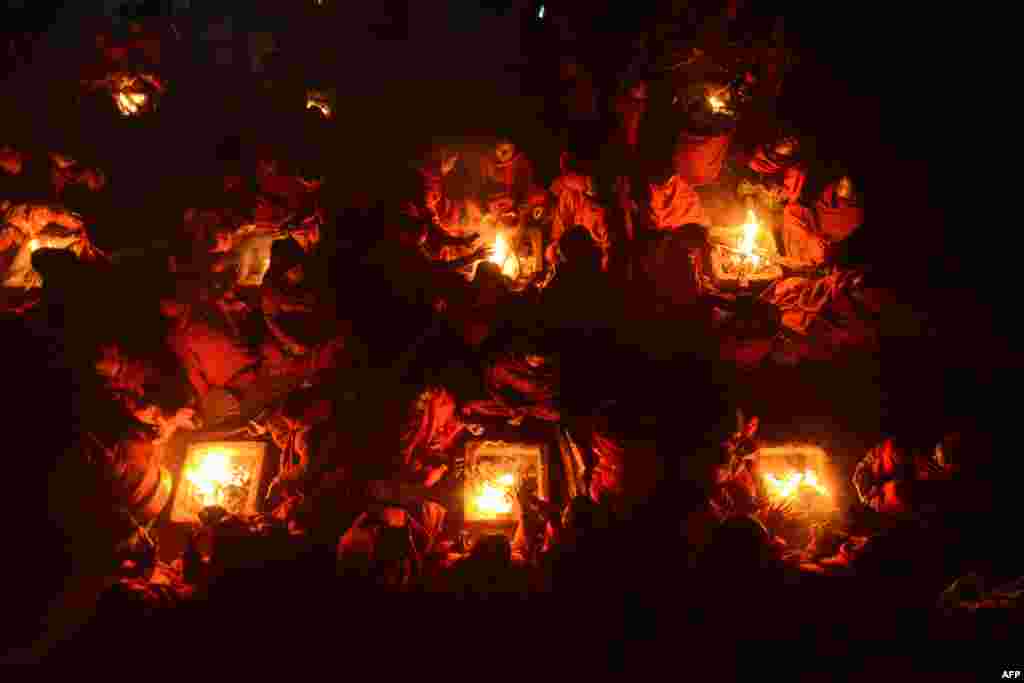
<point>11,160</point>
<point>492,550</point>
<point>504,150</point>
<point>580,250</point>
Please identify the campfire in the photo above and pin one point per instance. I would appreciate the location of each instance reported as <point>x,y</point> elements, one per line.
<point>744,255</point>
<point>796,474</point>
<point>495,472</point>
<point>222,474</point>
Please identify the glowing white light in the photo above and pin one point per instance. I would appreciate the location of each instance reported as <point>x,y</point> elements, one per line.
<point>540,13</point>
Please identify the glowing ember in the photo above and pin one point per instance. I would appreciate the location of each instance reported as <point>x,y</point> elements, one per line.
<point>503,257</point>
<point>791,485</point>
<point>494,498</point>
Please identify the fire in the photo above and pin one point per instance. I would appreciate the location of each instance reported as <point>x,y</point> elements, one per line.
<point>130,103</point>
<point>324,108</point>
<point>494,498</point>
<point>212,474</point>
<point>717,105</point>
<point>789,486</point>
<point>33,245</point>
<point>503,257</point>
<point>748,242</point>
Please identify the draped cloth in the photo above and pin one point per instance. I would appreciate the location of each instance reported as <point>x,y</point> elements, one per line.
<point>516,388</point>
<point>802,299</point>
<point>674,204</point>
<point>431,429</point>
<point>512,178</point>
<point>786,172</point>
<point>807,232</point>
<point>699,158</point>
<point>576,207</point>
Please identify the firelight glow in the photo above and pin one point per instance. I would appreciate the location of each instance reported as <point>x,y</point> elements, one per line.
<point>129,104</point>
<point>209,476</point>
<point>787,487</point>
<point>494,498</point>
<point>749,239</point>
<point>502,257</point>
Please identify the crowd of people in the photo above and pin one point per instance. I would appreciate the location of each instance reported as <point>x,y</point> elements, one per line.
<point>488,298</point>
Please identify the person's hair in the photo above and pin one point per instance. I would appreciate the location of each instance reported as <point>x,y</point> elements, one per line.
<point>493,549</point>
<point>579,248</point>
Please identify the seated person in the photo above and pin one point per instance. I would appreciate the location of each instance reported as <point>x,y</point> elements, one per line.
<point>507,172</point>
<point>432,430</point>
<point>810,233</point>
<point>211,352</point>
<point>521,382</point>
<point>879,476</point>
<point>577,205</point>
<point>304,334</point>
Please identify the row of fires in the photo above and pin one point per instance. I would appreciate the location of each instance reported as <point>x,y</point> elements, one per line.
<point>227,475</point>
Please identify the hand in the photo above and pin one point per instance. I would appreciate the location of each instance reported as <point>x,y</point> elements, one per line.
<point>435,475</point>
<point>483,253</point>
<point>774,515</point>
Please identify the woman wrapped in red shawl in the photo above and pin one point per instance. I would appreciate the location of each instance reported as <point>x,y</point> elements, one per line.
<point>302,432</point>
<point>304,337</point>
<point>809,233</point>
<point>431,432</point>
<point>135,384</point>
<point>577,205</point>
<point>774,174</point>
<point>213,355</point>
<point>507,173</point>
<point>521,384</point>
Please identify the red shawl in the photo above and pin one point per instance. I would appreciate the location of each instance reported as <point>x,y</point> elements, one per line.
<point>837,218</point>
<point>674,205</point>
<point>792,175</point>
<point>513,177</point>
<point>575,208</point>
<point>432,427</point>
<point>699,158</point>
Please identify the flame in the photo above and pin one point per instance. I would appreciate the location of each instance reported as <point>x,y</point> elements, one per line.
<point>749,240</point>
<point>503,257</point>
<point>494,498</point>
<point>717,104</point>
<point>787,487</point>
<point>324,108</point>
<point>130,103</point>
<point>33,245</point>
<point>211,473</point>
